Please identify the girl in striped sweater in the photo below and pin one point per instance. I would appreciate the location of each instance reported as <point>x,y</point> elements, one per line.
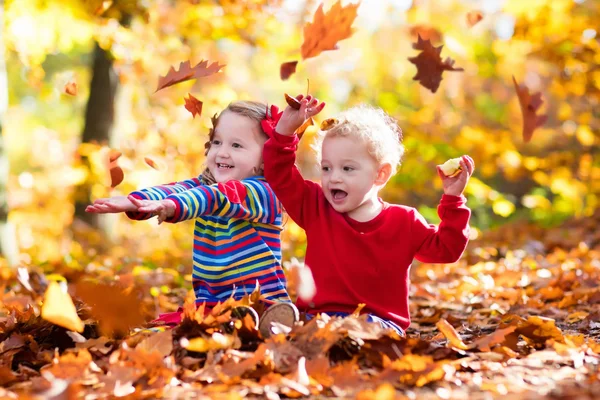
<point>238,218</point>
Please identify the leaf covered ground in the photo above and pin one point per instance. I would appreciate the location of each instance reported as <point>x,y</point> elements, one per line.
<point>517,316</point>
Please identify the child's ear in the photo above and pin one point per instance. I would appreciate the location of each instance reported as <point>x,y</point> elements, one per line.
<point>383,174</point>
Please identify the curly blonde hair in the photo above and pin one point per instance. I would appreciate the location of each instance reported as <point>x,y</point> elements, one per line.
<point>372,126</point>
<point>254,110</point>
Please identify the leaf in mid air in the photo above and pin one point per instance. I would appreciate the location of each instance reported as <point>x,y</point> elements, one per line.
<point>530,104</point>
<point>287,69</point>
<point>430,65</point>
<point>193,105</point>
<point>187,72</point>
<point>328,28</point>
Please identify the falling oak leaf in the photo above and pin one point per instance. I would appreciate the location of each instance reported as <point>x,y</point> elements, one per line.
<point>451,335</point>
<point>429,64</point>
<point>287,69</point>
<point>328,28</point>
<point>530,103</point>
<point>473,17</point>
<point>193,105</point>
<point>59,309</point>
<point>187,72</point>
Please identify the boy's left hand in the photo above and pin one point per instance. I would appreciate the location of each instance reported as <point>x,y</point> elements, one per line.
<point>455,185</point>
<point>292,119</point>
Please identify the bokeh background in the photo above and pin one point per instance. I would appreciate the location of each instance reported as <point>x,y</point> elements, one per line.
<point>115,50</point>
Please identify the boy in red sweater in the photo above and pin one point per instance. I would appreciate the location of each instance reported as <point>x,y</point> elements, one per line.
<point>360,248</point>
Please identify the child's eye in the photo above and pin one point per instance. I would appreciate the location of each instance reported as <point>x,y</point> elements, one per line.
<point>215,142</point>
<point>348,169</point>
<point>325,169</point>
<point>236,146</point>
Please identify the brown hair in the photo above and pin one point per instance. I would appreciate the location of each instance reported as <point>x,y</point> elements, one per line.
<point>254,110</point>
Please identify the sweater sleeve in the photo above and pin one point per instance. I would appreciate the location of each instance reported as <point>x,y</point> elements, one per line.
<point>297,195</point>
<point>250,199</point>
<point>161,192</point>
<point>446,242</point>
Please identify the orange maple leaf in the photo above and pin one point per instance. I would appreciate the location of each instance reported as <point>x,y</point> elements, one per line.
<point>287,69</point>
<point>71,88</point>
<point>473,17</point>
<point>328,28</point>
<point>115,171</point>
<point>187,72</point>
<point>430,65</point>
<point>193,105</point>
<point>530,103</point>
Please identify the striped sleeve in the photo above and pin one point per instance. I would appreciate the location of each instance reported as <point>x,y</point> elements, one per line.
<point>161,192</point>
<point>250,199</point>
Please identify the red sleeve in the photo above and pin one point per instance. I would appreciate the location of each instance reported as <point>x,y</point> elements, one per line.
<point>298,196</point>
<point>446,242</point>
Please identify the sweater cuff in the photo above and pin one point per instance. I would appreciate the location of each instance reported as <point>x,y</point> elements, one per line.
<point>136,215</point>
<point>449,200</point>
<point>179,209</point>
<point>286,140</point>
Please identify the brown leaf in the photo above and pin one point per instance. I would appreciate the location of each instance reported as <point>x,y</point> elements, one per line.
<point>451,335</point>
<point>116,175</point>
<point>287,69</point>
<point>292,101</point>
<point>71,88</point>
<point>193,105</point>
<point>530,104</point>
<point>497,337</point>
<point>187,72</point>
<point>429,64</point>
<point>328,28</point>
<point>116,309</point>
<point>473,17</point>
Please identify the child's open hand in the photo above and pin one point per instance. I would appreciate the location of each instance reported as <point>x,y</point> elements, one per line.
<point>110,205</point>
<point>455,185</point>
<point>163,209</point>
<point>292,119</point>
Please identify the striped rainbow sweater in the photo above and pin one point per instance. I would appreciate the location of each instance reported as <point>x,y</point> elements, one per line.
<point>236,236</point>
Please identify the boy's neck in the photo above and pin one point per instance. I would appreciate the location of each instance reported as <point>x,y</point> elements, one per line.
<point>368,210</point>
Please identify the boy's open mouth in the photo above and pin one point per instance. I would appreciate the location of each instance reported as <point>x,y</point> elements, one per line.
<point>338,194</point>
<point>226,166</point>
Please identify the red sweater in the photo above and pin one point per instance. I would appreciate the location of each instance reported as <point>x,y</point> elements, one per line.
<point>362,262</point>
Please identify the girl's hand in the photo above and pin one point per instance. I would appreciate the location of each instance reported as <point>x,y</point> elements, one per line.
<point>161,208</point>
<point>109,205</point>
<point>455,185</point>
<point>292,119</point>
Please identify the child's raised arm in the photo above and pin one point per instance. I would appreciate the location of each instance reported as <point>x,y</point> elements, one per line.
<point>279,156</point>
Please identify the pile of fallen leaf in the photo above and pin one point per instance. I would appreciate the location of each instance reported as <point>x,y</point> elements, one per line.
<point>518,316</point>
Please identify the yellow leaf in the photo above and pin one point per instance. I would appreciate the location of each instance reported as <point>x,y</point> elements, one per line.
<point>59,309</point>
<point>450,333</point>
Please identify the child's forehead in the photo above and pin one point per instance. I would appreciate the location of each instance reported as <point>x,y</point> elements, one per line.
<point>232,124</point>
<point>344,146</point>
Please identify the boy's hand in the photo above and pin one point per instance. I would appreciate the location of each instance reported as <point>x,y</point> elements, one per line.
<point>292,119</point>
<point>109,205</point>
<point>161,208</point>
<point>455,185</point>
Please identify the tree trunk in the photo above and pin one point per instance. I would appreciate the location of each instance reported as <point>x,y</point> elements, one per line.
<point>99,118</point>
<point>8,240</point>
